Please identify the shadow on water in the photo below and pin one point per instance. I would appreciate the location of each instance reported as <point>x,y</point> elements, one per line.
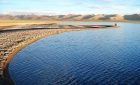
<point>19,29</point>
<point>6,79</point>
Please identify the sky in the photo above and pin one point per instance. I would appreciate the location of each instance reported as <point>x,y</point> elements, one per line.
<point>69,6</point>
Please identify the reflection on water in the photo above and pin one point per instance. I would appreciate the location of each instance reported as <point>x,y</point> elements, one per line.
<point>89,57</point>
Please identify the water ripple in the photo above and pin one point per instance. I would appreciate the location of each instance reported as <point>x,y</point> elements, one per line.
<point>91,57</point>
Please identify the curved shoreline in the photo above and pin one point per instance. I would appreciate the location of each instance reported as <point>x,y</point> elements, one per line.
<point>21,46</point>
<point>30,37</point>
<point>5,77</point>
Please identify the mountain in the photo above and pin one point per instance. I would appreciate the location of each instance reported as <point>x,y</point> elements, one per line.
<point>97,17</point>
<point>69,16</point>
<point>92,17</point>
<point>132,17</point>
<point>83,17</point>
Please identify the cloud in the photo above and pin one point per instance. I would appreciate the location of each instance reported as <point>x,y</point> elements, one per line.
<point>108,0</point>
<point>98,7</point>
<point>70,6</point>
<point>106,7</point>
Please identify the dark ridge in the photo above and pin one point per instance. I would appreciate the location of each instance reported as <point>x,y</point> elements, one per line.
<point>58,27</point>
<point>11,30</point>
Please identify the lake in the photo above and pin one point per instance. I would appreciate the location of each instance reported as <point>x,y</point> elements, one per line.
<point>108,56</point>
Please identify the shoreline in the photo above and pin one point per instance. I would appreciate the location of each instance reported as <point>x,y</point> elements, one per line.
<point>125,21</point>
<point>32,36</point>
<point>14,23</point>
<point>5,75</point>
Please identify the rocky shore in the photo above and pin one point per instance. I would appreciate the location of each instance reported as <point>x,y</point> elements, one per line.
<point>12,42</point>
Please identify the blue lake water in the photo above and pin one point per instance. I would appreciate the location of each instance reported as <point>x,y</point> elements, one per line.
<point>88,57</point>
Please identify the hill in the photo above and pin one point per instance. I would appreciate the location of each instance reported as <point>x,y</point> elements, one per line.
<point>72,17</point>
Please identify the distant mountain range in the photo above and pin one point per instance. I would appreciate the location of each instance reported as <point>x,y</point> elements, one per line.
<point>71,17</point>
